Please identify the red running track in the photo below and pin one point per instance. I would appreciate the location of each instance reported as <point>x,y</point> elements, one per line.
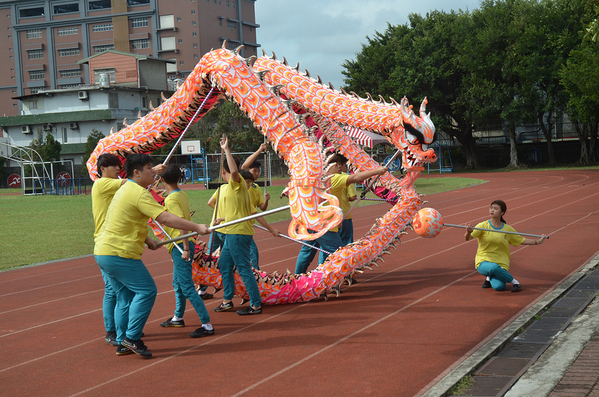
<point>394,333</point>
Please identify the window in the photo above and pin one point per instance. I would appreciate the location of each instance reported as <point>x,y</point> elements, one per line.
<point>233,4</point>
<point>167,44</point>
<point>70,73</point>
<point>195,45</point>
<point>9,49</point>
<point>231,25</point>
<point>167,21</point>
<point>139,22</point>
<point>31,12</point>
<point>193,12</point>
<point>37,75</point>
<point>180,41</point>
<point>34,91</point>
<point>113,100</point>
<point>105,27</point>
<point>66,8</point>
<point>139,44</point>
<point>228,5</point>
<point>34,34</point>
<point>102,48</point>
<point>137,2</point>
<point>109,71</point>
<point>195,56</point>
<point>194,34</point>
<point>35,54</point>
<point>67,31</point>
<point>65,135</point>
<point>171,67</point>
<point>70,86</point>
<point>220,22</point>
<point>193,23</point>
<point>99,5</point>
<point>33,104</point>
<point>68,52</point>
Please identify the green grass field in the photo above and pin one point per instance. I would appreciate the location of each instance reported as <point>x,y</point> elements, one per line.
<point>35,229</point>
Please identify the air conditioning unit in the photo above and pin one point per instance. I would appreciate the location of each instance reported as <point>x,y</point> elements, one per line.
<point>82,95</point>
<point>47,127</point>
<point>73,126</point>
<point>25,129</point>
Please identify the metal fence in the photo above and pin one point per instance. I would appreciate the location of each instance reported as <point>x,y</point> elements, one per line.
<point>61,187</point>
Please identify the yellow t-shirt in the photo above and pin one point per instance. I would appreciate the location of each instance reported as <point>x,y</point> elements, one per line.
<point>177,203</point>
<point>351,192</point>
<point>494,247</point>
<point>339,190</point>
<point>256,197</point>
<point>125,229</point>
<point>103,191</point>
<point>220,208</point>
<point>236,200</point>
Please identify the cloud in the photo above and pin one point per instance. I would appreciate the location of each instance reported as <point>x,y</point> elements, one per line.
<point>321,35</point>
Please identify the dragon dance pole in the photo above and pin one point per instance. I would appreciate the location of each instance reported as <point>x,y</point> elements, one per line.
<point>497,231</point>
<point>236,221</point>
<point>372,182</point>
<point>292,239</point>
<point>166,234</point>
<point>187,127</point>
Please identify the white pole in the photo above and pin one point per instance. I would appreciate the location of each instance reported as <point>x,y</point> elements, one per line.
<point>497,231</point>
<point>215,227</point>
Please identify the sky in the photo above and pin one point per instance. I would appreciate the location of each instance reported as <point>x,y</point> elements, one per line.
<point>322,34</point>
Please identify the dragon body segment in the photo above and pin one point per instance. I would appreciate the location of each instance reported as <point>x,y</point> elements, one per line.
<point>222,74</point>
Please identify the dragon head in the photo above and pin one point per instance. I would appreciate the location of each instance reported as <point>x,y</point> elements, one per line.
<point>413,136</point>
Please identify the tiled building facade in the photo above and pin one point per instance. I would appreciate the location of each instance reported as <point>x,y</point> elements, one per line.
<point>44,39</point>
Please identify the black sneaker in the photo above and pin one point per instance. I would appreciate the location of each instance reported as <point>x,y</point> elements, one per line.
<point>110,338</point>
<point>249,310</point>
<point>486,284</point>
<point>138,347</point>
<point>516,288</point>
<point>198,333</point>
<point>123,351</point>
<point>171,323</point>
<point>206,296</point>
<point>223,307</point>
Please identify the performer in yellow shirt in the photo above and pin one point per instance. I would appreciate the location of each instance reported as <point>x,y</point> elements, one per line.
<point>119,247</point>
<point>177,203</point>
<point>103,190</point>
<point>331,241</point>
<point>255,200</point>
<point>236,250</point>
<point>493,254</point>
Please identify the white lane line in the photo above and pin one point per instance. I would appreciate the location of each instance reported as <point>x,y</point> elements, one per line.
<point>71,281</point>
<point>75,316</point>
<point>339,341</point>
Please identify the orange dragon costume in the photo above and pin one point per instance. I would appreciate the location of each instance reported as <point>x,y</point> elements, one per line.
<point>256,85</point>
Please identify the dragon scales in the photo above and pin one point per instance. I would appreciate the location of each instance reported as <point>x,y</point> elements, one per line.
<point>240,80</point>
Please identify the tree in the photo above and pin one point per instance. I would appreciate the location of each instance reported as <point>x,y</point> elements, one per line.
<point>580,76</point>
<point>422,58</point>
<point>48,148</point>
<point>90,146</point>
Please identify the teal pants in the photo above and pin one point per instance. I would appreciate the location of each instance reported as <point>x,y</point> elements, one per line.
<point>108,304</point>
<point>499,276</point>
<point>135,294</point>
<point>184,287</point>
<point>254,255</point>
<point>236,255</point>
<point>330,242</point>
<point>346,231</point>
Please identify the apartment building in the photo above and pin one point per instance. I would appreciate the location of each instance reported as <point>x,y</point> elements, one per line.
<point>44,40</point>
